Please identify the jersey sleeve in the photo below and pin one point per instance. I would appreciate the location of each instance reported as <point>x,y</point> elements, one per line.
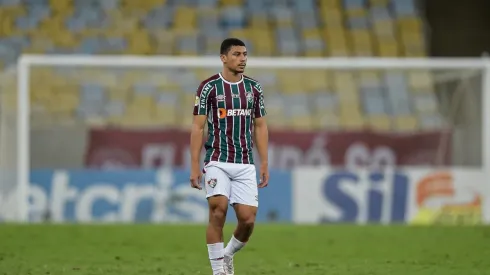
<point>259,108</point>
<point>201,103</point>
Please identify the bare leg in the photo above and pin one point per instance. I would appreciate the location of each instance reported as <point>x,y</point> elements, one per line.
<point>218,205</point>
<point>246,220</point>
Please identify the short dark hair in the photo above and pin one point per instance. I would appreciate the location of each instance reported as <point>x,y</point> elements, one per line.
<point>228,43</point>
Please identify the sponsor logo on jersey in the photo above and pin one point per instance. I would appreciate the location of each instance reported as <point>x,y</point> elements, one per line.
<point>206,88</point>
<point>220,98</point>
<point>261,103</point>
<point>204,92</point>
<point>222,113</point>
<point>196,102</point>
<point>203,102</point>
<point>239,112</point>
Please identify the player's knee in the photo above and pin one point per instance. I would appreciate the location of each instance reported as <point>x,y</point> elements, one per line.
<point>247,219</point>
<point>218,215</point>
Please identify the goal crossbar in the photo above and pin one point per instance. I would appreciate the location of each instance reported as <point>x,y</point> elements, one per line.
<point>261,62</point>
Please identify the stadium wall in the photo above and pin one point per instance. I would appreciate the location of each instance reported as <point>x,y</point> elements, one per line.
<point>303,195</point>
<point>78,147</point>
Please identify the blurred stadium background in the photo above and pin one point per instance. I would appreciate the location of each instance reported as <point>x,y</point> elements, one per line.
<point>128,118</point>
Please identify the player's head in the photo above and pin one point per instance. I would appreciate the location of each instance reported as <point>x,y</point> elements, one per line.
<point>234,55</point>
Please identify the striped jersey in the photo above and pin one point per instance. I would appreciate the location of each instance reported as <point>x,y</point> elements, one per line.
<point>230,108</point>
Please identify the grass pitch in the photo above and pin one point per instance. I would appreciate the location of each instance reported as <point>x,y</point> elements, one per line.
<point>274,249</point>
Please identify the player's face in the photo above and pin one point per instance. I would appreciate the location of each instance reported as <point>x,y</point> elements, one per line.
<point>236,59</point>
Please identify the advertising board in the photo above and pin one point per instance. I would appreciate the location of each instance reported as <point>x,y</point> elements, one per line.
<point>414,196</point>
<point>138,196</point>
<point>411,196</point>
<point>152,149</point>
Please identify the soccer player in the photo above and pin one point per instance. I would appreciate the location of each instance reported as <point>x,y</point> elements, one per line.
<point>233,106</point>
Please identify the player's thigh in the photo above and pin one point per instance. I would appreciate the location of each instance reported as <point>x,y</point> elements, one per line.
<point>216,182</point>
<point>244,188</point>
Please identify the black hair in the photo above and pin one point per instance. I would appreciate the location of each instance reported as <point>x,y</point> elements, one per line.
<point>228,43</point>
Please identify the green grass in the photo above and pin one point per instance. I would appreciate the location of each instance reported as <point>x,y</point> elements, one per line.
<point>274,249</point>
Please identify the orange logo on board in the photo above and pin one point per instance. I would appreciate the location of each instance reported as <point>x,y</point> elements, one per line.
<point>435,185</point>
<point>437,202</point>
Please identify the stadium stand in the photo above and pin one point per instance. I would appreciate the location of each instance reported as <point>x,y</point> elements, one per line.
<point>349,100</point>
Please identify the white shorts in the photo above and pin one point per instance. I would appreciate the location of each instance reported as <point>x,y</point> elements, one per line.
<point>236,181</point>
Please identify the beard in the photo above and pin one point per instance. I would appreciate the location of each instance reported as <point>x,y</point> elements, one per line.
<point>237,70</point>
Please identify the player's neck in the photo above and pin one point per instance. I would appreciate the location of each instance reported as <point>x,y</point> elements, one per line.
<point>230,76</point>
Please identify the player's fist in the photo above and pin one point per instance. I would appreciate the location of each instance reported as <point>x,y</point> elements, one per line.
<point>264,175</point>
<point>196,176</point>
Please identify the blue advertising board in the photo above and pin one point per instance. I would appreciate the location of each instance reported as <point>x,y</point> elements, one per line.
<point>338,195</point>
<point>381,193</point>
<point>139,196</point>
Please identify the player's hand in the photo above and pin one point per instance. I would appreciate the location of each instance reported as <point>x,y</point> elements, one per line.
<point>264,176</point>
<point>196,176</point>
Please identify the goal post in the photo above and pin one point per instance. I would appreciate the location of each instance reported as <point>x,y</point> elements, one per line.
<point>458,78</point>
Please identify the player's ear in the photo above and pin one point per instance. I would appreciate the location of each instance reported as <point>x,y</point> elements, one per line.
<point>223,57</point>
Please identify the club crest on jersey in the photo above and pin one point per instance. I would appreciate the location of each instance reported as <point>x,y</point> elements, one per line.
<point>250,96</point>
<point>220,98</point>
<point>212,182</point>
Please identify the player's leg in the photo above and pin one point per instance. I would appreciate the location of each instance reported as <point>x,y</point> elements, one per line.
<point>217,185</point>
<point>246,221</point>
<point>244,198</point>
<point>214,234</point>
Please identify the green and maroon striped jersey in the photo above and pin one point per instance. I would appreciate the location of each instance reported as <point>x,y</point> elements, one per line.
<point>231,109</point>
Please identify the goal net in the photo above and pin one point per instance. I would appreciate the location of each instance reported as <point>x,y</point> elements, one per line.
<point>50,103</point>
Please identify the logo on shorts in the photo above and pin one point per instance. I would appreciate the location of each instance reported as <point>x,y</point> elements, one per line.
<point>212,182</point>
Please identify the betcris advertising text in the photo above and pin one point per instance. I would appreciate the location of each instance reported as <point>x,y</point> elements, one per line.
<point>346,196</point>
<point>139,196</point>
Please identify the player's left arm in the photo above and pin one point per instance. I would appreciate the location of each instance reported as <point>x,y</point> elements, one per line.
<point>261,133</point>
<point>262,140</point>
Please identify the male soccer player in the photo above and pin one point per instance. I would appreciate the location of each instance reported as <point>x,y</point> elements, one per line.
<point>233,106</point>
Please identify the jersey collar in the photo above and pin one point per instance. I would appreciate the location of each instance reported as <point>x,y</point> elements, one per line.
<point>228,82</point>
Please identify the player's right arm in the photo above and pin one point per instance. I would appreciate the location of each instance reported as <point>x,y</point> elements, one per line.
<point>197,132</point>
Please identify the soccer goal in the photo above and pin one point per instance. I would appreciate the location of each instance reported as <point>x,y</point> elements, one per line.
<point>46,113</point>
